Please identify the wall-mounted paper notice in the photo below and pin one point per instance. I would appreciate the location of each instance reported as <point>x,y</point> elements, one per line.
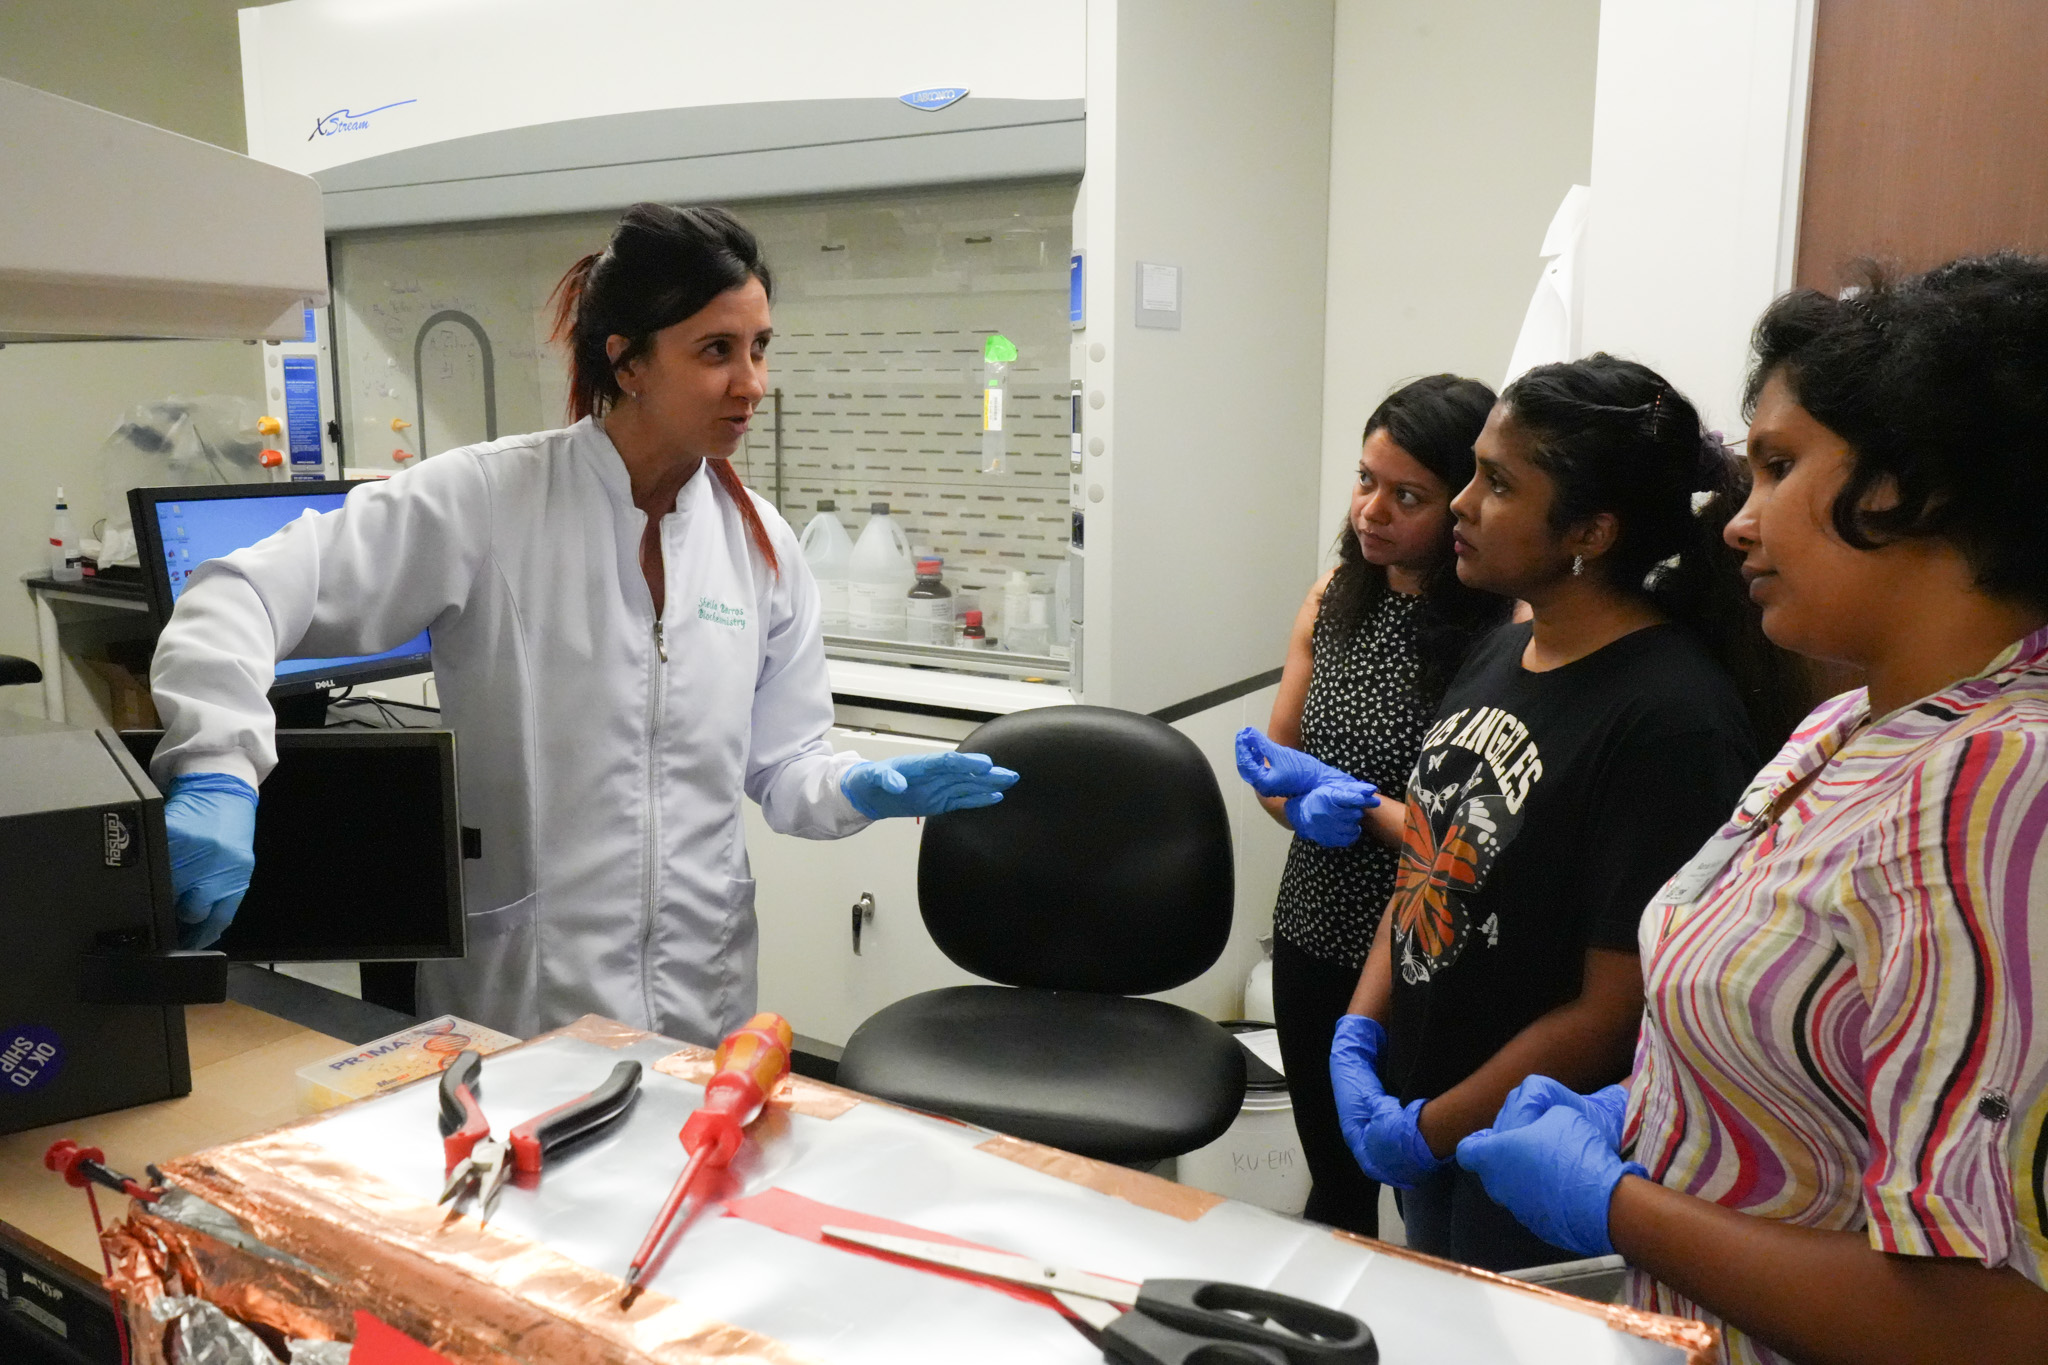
<point>1161,288</point>
<point>1158,296</point>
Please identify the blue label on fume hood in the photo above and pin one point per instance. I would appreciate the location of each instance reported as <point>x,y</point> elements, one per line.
<point>309,336</point>
<point>936,98</point>
<point>1077,307</point>
<point>302,411</point>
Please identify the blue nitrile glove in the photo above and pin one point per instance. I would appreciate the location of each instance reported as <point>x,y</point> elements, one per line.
<point>1333,813</point>
<point>1385,1138</point>
<point>925,784</point>
<point>1538,1095</point>
<point>1276,770</point>
<point>1325,804</point>
<point>1556,1174</point>
<point>211,821</point>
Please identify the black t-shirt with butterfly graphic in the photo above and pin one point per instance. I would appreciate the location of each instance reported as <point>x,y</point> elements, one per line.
<point>1543,813</point>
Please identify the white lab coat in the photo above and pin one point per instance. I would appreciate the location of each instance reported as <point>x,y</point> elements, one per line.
<point>1550,329</point>
<point>605,778</point>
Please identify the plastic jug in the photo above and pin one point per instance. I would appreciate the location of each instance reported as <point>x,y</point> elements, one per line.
<point>829,552</point>
<point>879,578</point>
<point>1016,607</point>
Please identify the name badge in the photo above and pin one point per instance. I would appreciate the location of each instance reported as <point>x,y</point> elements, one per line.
<point>1706,867</point>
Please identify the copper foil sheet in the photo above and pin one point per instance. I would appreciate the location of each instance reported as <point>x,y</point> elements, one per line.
<point>351,1193</point>
<point>595,1028</point>
<point>1184,1202</point>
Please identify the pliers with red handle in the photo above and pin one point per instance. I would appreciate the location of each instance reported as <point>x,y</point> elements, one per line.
<point>479,1164</point>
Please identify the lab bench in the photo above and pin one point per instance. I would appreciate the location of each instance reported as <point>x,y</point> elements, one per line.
<point>76,621</point>
<point>245,1056</point>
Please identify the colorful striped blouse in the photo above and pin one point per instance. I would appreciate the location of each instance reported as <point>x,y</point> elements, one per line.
<point>1840,1027</point>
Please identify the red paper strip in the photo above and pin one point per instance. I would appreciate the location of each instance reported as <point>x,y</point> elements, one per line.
<point>378,1344</point>
<point>807,1218</point>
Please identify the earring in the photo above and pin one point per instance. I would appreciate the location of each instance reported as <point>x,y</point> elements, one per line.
<point>1578,565</point>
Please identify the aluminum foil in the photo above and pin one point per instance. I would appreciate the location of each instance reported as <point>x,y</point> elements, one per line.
<point>201,1334</point>
<point>183,1207</point>
<point>352,1193</point>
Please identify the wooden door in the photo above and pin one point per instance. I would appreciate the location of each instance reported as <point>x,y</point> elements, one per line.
<point>1927,136</point>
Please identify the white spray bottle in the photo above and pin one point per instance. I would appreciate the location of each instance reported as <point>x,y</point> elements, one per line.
<point>65,565</point>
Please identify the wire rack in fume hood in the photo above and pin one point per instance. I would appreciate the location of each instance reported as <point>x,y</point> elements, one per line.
<point>882,302</point>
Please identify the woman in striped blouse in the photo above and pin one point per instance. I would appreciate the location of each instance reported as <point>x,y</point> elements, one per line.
<point>1835,1139</point>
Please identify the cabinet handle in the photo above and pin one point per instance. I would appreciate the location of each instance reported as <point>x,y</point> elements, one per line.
<point>863,913</point>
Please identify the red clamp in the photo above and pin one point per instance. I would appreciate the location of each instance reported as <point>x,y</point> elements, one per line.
<point>81,1166</point>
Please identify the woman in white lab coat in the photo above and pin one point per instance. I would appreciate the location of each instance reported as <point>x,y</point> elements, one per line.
<point>624,640</point>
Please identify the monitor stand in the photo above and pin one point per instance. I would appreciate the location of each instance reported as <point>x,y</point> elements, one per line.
<point>302,711</point>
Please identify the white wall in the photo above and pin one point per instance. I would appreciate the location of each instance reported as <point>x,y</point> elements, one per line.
<point>175,64</point>
<point>1699,135</point>
<point>1207,149</point>
<point>59,401</point>
<point>1456,127</point>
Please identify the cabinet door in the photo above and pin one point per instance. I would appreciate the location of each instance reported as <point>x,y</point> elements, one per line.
<point>804,894</point>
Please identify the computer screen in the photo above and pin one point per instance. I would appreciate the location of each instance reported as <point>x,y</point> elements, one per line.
<point>178,529</point>
<point>358,849</point>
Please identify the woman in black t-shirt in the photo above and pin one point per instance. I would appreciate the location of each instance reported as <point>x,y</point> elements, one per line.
<point>1577,760</point>
<point>1372,649</point>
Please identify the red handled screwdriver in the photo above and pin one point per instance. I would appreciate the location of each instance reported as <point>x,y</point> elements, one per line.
<point>750,1064</point>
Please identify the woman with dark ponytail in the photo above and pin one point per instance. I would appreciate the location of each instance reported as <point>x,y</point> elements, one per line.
<point>1373,647</point>
<point>1574,763</point>
<point>625,640</point>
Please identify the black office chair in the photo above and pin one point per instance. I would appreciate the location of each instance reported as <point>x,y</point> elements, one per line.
<point>15,670</point>
<point>1104,873</point>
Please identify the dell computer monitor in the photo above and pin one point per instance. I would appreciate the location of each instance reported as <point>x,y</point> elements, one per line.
<point>359,849</point>
<point>178,529</point>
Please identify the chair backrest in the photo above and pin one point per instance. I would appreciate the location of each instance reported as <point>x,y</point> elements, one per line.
<point>1106,868</point>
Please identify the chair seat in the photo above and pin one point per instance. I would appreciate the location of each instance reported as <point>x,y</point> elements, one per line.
<point>1107,1076</point>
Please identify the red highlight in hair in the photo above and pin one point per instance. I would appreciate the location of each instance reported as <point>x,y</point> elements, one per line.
<point>589,389</point>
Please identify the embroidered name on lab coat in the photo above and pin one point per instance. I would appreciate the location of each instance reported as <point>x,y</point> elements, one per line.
<point>721,613</point>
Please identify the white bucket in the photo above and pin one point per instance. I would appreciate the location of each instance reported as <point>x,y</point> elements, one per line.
<point>1258,1159</point>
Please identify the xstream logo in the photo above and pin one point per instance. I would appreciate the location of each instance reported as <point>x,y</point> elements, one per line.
<point>348,121</point>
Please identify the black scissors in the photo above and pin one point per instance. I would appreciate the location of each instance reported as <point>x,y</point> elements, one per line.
<point>1169,1322</point>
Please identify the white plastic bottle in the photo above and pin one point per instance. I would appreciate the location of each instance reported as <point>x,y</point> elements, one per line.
<point>1016,607</point>
<point>65,565</point>
<point>1033,635</point>
<point>829,552</point>
<point>879,576</point>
